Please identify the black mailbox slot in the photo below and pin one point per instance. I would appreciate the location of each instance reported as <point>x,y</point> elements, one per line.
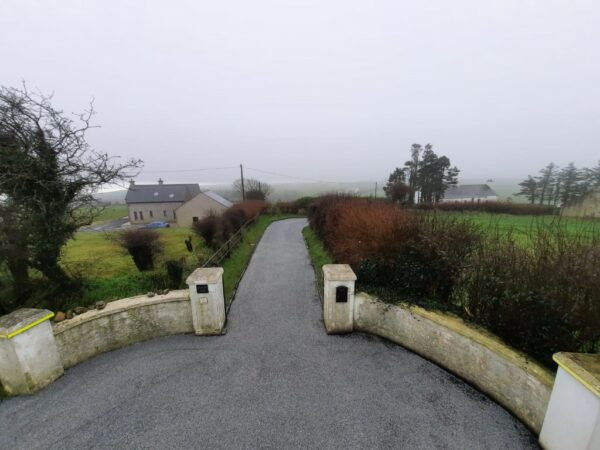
<point>202,288</point>
<point>341,294</point>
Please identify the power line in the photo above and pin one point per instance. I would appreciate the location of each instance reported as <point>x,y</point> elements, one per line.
<point>188,170</point>
<point>280,174</point>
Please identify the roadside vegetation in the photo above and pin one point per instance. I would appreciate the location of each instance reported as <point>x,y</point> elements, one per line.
<point>537,287</point>
<point>318,256</point>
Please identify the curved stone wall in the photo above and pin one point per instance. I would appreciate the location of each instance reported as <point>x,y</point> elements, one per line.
<point>121,323</point>
<point>510,378</point>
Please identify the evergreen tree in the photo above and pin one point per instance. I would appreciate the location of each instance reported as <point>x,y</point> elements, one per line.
<point>529,189</point>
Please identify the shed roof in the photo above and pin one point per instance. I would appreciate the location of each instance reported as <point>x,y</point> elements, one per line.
<point>217,198</point>
<point>161,193</point>
<point>469,191</point>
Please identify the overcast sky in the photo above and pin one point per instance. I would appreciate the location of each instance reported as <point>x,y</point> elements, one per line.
<point>328,90</point>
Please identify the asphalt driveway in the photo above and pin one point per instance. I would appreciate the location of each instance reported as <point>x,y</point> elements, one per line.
<point>275,380</point>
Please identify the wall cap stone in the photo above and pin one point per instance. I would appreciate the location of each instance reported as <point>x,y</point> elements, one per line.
<point>207,275</point>
<point>584,367</point>
<point>22,320</point>
<point>477,334</point>
<point>121,305</point>
<point>338,272</point>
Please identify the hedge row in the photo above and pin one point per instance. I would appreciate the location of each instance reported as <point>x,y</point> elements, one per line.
<point>542,294</point>
<point>216,229</point>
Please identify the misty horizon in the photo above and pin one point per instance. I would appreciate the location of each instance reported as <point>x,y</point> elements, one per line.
<point>334,91</point>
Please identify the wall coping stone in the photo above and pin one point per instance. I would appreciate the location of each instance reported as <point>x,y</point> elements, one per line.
<point>121,305</point>
<point>22,320</point>
<point>585,368</point>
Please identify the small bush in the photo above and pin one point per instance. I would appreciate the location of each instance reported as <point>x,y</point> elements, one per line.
<point>175,273</point>
<point>142,244</point>
<point>208,229</point>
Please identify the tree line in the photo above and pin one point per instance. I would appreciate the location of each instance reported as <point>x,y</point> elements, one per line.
<point>558,186</point>
<point>424,178</point>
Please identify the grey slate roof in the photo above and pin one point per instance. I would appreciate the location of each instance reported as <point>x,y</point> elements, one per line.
<point>161,193</point>
<point>216,197</point>
<point>469,191</point>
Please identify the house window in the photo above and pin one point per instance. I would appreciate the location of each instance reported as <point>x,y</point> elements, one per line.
<point>194,219</point>
<point>151,214</point>
<point>164,213</point>
<point>141,215</point>
<point>174,215</point>
<point>135,215</point>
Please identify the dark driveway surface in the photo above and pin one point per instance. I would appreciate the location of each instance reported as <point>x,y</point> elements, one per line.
<point>108,226</point>
<point>276,380</point>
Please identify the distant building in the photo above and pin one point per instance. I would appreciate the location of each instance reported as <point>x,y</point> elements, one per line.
<point>588,206</point>
<point>200,206</point>
<point>470,193</point>
<point>152,202</point>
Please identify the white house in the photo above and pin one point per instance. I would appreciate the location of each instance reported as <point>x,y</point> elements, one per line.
<point>470,193</point>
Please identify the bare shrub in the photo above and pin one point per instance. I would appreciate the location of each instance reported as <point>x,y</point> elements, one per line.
<point>142,244</point>
<point>543,296</point>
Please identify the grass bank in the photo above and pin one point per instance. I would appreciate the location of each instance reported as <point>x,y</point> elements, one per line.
<point>318,256</point>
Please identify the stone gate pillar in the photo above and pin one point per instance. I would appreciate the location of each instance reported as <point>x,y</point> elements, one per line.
<point>207,299</point>
<point>29,358</point>
<point>338,302</point>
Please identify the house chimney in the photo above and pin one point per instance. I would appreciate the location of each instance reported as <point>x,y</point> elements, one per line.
<point>131,183</point>
<point>160,181</point>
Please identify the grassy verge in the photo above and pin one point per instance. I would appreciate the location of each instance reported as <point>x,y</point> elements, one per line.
<point>318,256</point>
<point>235,265</point>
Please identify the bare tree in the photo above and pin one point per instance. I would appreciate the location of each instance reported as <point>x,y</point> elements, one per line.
<point>255,189</point>
<point>49,174</point>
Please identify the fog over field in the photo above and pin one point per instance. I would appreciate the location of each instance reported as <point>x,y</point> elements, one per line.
<point>318,91</point>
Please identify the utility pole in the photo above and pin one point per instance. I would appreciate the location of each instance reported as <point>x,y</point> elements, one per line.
<point>242,178</point>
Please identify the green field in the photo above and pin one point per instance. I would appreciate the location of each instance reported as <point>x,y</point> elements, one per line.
<point>110,213</point>
<point>97,255</point>
<point>525,225</point>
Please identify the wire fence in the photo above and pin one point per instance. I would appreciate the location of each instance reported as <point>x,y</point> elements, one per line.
<point>225,250</point>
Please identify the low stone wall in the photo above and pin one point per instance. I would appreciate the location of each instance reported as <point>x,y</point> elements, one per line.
<point>121,323</point>
<point>507,376</point>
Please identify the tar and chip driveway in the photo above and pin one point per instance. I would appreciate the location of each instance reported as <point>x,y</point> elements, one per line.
<point>275,380</point>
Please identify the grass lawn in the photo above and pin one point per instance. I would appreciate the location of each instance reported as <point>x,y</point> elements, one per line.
<point>94,255</point>
<point>318,255</point>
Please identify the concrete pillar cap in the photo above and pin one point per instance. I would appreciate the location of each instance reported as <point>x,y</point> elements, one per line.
<point>208,275</point>
<point>338,272</point>
<point>22,320</point>
<point>584,367</point>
